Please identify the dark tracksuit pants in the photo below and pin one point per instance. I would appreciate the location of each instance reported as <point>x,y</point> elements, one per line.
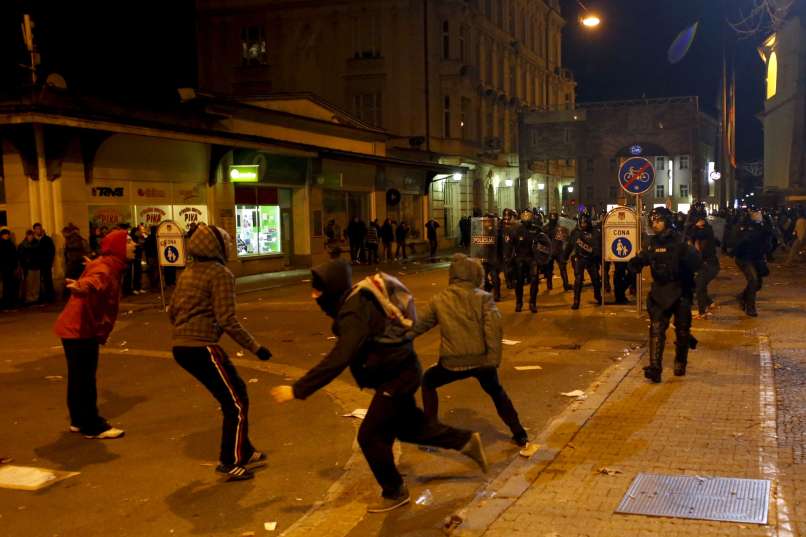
<point>212,367</point>
<point>396,416</point>
<point>11,290</point>
<point>82,394</point>
<point>708,271</point>
<point>754,282</point>
<point>437,376</point>
<point>621,282</point>
<point>432,246</point>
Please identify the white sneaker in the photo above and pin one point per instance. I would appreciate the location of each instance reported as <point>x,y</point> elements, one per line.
<point>74,429</point>
<point>108,434</point>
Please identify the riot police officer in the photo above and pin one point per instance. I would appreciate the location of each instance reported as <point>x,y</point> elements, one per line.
<point>752,246</point>
<point>700,234</point>
<point>509,222</point>
<point>559,237</point>
<point>673,263</point>
<point>486,244</point>
<point>530,251</point>
<point>585,248</point>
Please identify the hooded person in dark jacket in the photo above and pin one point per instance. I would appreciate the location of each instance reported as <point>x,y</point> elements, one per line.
<point>85,324</point>
<point>470,327</point>
<point>391,368</point>
<point>202,309</point>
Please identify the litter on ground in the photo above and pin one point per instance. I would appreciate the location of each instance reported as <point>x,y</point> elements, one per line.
<point>510,342</point>
<point>359,413</point>
<point>527,367</point>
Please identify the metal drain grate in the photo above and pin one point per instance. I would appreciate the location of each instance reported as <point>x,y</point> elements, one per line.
<point>704,498</point>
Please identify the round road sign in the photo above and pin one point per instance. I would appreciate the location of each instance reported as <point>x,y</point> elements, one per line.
<point>636,175</point>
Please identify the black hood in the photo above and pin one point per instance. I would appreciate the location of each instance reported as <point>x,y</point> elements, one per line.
<point>333,279</point>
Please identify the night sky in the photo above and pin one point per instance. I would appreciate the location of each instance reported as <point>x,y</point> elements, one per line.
<point>144,50</point>
<point>626,58</point>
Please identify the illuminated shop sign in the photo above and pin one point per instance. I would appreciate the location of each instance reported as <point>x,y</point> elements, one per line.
<point>244,173</point>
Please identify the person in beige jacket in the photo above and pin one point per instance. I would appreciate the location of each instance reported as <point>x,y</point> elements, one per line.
<point>470,324</point>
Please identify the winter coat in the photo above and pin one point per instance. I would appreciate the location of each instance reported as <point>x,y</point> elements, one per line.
<point>92,310</point>
<point>469,321</point>
<point>372,234</point>
<point>401,232</point>
<point>358,320</point>
<point>8,256</point>
<point>202,307</point>
<point>75,249</point>
<point>387,233</point>
<point>28,254</point>
<point>46,252</point>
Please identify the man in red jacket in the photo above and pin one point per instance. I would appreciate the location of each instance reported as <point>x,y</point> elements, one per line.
<point>85,324</point>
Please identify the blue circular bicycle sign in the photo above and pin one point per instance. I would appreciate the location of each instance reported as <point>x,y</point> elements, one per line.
<point>636,175</point>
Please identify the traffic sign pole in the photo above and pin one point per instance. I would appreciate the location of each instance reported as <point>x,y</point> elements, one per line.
<point>639,286</point>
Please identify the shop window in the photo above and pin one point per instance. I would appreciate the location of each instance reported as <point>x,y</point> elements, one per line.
<point>684,162</point>
<point>258,229</point>
<point>253,46</point>
<point>683,191</point>
<point>659,193</point>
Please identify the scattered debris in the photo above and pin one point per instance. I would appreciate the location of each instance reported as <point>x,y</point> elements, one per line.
<point>123,343</point>
<point>510,342</point>
<point>331,338</point>
<point>529,450</point>
<point>426,498</point>
<point>239,354</point>
<point>270,526</point>
<point>253,381</point>
<point>6,460</point>
<point>207,464</point>
<point>527,367</point>
<point>54,377</point>
<point>248,534</point>
<point>451,523</point>
<point>30,478</point>
<point>609,471</point>
<point>579,394</point>
<point>125,350</point>
<point>306,281</point>
<point>359,413</point>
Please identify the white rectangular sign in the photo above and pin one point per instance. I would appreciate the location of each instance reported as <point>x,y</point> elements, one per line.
<point>620,235</point>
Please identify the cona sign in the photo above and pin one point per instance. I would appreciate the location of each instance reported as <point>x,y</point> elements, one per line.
<point>244,173</point>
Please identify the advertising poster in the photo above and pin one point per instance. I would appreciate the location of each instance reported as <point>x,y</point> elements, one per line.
<point>110,215</point>
<point>152,215</point>
<point>184,215</point>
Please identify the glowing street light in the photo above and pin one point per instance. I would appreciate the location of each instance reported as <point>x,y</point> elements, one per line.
<point>590,20</point>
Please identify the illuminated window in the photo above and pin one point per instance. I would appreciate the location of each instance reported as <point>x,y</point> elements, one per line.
<point>772,76</point>
<point>253,46</point>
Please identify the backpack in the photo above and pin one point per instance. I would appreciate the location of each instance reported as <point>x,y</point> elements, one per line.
<point>395,300</point>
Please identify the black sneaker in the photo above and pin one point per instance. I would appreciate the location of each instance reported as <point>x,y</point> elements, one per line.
<point>520,439</point>
<point>475,450</point>
<point>575,306</point>
<point>653,374</point>
<point>679,369</point>
<point>533,308</point>
<point>235,472</point>
<point>384,505</point>
<point>518,308</point>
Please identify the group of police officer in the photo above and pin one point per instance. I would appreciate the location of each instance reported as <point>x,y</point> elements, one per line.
<point>681,254</point>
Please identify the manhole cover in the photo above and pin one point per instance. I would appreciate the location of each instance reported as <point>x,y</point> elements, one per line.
<point>705,498</point>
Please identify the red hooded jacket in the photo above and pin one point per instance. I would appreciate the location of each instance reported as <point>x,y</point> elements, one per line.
<point>91,312</point>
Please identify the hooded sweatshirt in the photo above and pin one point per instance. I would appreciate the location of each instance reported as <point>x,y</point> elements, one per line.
<point>202,307</point>
<point>92,310</point>
<point>359,324</point>
<point>469,321</point>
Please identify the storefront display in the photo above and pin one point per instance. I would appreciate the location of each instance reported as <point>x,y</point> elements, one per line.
<point>258,229</point>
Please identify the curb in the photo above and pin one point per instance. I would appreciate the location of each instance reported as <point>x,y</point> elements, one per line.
<point>491,502</point>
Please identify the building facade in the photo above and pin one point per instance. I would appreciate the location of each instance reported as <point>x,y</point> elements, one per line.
<point>445,78</point>
<point>784,115</point>
<point>673,134</point>
<point>272,172</point>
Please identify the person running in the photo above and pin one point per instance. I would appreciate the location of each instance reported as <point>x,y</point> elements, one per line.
<point>85,324</point>
<point>373,342</point>
<point>202,309</point>
<point>470,327</point>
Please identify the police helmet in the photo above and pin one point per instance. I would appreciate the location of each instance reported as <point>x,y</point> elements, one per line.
<point>661,213</point>
<point>584,218</point>
<point>698,212</point>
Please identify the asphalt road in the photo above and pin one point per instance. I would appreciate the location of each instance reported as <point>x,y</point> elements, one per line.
<point>159,479</point>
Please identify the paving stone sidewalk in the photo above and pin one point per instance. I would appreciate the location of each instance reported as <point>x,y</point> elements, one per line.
<point>713,422</point>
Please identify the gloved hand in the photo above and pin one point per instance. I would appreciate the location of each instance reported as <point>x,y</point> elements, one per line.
<point>263,353</point>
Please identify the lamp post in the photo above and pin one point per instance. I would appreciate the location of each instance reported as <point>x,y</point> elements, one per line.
<point>589,19</point>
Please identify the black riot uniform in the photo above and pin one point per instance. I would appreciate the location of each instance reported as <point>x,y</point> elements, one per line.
<point>752,246</point>
<point>585,249</point>
<point>700,234</point>
<point>559,237</point>
<point>674,263</point>
<point>530,251</point>
<point>509,223</point>
<point>486,244</point>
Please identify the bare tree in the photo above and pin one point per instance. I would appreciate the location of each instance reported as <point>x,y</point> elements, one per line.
<point>764,16</point>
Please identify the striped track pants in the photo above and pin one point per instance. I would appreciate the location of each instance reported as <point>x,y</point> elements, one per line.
<point>212,367</point>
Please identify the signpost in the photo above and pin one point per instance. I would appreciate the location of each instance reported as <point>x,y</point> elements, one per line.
<point>170,250</point>
<point>636,176</point>
<point>620,235</point>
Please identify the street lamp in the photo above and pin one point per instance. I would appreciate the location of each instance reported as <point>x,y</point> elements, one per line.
<point>589,19</point>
